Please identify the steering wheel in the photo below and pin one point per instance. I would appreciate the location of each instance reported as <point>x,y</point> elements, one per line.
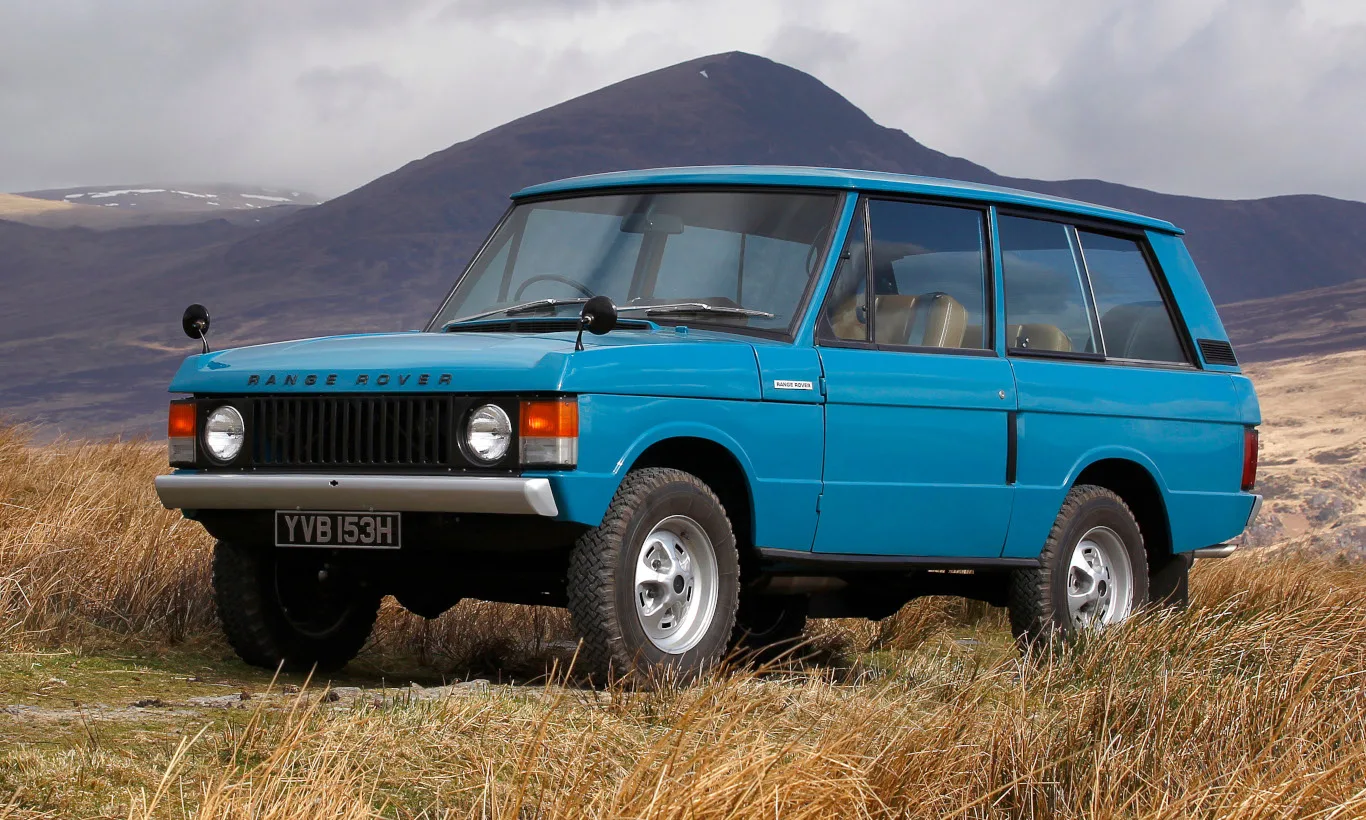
<point>816,246</point>
<point>551,277</point>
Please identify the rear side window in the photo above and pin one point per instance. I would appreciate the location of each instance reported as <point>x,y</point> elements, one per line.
<point>1134,320</point>
<point>1046,305</point>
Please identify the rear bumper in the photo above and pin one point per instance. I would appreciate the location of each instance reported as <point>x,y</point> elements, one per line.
<point>512,495</point>
<point>1226,549</point>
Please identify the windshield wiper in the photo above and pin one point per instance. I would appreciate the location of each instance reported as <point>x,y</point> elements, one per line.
<point>513,310</point>
<point>696,307</point>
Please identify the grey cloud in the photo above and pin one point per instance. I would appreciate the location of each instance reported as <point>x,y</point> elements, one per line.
<point>340,94</point>
<point>1256,100</point>
<point>1211,97</point>
<point>812,48</point>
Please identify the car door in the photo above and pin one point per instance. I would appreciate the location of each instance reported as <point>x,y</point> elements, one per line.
<point>918,401</point>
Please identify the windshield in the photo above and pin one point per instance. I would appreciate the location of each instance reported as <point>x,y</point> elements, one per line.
<point>738,259</point>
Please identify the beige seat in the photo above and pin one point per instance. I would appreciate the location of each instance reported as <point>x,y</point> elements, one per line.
<point>927,320</point>
<point>844,320</point>
<point>1038,337</point>
<point>895,318</point>
<point>945,321</point>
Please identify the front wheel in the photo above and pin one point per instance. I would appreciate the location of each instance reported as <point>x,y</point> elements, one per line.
<point>656,585</point>
<point>1093,571</point>
<point>293,608</point>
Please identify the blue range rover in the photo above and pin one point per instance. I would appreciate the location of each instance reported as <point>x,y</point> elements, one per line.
<point>802,392</point>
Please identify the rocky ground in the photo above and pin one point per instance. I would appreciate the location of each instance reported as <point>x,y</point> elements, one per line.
<point>1313,454</point>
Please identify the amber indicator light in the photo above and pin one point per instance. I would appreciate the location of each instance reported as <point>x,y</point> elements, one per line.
<point>181,421</point>
<point>558,418</point>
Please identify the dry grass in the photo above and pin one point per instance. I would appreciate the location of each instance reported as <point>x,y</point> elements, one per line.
<point>14,205</point>
<point>1251,704</point>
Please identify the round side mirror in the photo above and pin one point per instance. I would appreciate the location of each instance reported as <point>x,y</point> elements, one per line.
<point>599,315</point>
<point>195,322</point>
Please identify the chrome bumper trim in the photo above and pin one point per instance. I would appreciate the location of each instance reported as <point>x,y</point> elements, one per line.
<point>1216,551</point>
<point>398,493</point>
<point>1225,550</point>
<point>1256,509</point>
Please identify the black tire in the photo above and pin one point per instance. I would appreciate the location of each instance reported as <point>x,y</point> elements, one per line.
<point>601,578</point>
<point>1037,598</point>
<point>273,618</point>
<point>768,626</point>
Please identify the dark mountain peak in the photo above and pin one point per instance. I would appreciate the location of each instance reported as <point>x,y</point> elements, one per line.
<point>724,109</point>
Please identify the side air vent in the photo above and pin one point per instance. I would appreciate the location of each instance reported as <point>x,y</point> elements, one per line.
<point>532,326</point>
<point>1217,352</point>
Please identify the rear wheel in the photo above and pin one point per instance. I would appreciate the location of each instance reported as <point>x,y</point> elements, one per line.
<point>291,607</point>
<point>1093,571</point>
<point>656,585</point>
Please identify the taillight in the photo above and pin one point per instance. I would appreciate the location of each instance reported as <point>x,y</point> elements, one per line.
<point>549,432</point>
<point>181,425</point>
<point>1250,441</point>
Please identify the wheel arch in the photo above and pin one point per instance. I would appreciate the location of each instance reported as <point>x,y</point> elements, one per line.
<point>1135,480</point>
<point>717,465</point>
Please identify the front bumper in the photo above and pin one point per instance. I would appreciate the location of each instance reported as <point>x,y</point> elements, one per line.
<point>511,495</point>
<point>1226,549</point>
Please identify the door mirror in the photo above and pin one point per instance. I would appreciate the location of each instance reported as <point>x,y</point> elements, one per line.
<point>195,323</point>
<point>599,316</point>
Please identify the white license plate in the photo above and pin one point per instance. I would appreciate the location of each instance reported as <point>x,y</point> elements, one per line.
<point>358,530</point>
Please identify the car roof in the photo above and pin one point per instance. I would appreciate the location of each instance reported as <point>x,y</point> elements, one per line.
<point>843,180</point>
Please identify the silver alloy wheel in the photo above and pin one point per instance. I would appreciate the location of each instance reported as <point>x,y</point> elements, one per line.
<point>1100,588</point>
<point>676,584</point>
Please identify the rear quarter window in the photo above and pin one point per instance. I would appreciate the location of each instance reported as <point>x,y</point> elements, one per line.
<point>1134,319</point>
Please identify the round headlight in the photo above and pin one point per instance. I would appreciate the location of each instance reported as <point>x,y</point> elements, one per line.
<point>488,433</point>
<point>224,432</point>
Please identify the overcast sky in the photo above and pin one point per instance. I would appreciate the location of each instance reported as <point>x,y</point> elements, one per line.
<point>1225,98</point>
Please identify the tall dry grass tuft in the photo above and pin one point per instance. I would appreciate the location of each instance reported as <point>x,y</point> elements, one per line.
<point>88,554</point>
<point>85,548</point>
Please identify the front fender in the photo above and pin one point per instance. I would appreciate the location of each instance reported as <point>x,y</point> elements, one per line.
<point>777,446</point>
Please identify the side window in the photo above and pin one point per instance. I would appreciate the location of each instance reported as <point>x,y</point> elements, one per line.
<point>1134,320</point>
<point>929,275</point>
<point>1046,306</point>
<point>845,315</point>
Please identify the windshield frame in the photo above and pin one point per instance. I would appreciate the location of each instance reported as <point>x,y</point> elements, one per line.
<point>837,201</point>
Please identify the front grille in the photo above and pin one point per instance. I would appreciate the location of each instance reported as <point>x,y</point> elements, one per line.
<point>1217,352</point>
<point>346,431</point>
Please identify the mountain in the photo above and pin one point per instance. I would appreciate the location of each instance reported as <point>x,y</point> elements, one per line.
<point>1309,323</point>
<point>121,206</point>
<point>382,256</point>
